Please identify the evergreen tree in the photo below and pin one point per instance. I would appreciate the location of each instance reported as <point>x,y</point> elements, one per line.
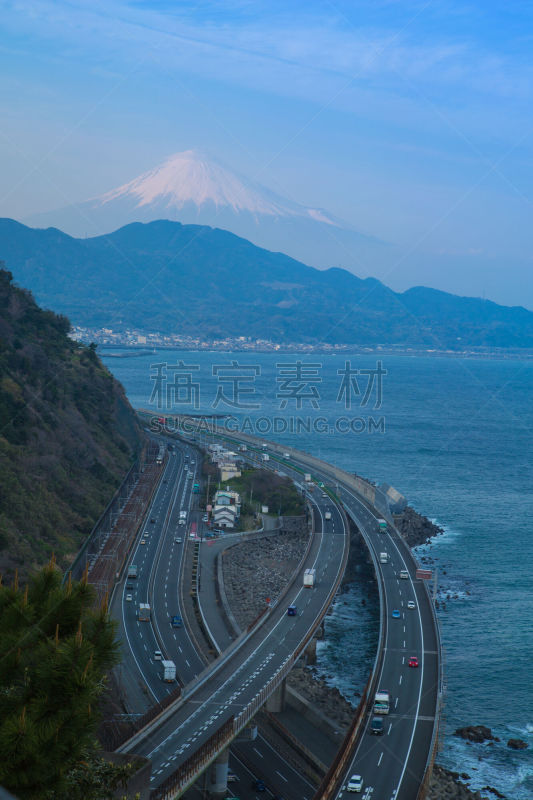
<point>55,651</point>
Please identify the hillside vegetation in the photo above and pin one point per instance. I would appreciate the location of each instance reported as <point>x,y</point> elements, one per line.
<point>67,434</point>
<point>261,487</point>
<point>204,282</point>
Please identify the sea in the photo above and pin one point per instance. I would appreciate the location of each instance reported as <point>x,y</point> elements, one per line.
<point>454,436</point>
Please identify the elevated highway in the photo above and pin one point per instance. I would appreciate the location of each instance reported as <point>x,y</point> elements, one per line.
<point>225,698</point>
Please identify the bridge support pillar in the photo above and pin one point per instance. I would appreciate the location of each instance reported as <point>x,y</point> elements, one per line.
<point>219,774</point>
<point>276,701</point>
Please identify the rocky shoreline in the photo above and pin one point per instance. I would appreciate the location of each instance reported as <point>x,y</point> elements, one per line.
<point>415,528</point>
<point>269,562</point>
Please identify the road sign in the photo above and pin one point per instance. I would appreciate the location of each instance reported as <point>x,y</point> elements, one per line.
<point>424,574</point>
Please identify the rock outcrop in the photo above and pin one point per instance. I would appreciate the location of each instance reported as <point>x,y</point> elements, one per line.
<point>415,528</point>
<point>476,733</point>
<point>517,744</point>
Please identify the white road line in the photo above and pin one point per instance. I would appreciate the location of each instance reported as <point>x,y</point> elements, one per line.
<point>283,778</point>
<point>257,751</point>
<point>400,681</point>
<point>379,760</point>
<point>390,728</point>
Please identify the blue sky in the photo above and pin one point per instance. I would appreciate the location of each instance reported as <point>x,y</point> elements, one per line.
<point>410,120</point>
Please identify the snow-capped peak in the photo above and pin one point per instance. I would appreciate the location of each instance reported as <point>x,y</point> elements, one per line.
<point>190,178</point>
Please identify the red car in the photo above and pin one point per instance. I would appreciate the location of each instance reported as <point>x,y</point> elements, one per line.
<point>413,661</point>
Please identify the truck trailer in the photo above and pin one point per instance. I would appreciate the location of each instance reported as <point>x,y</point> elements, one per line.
<point>144,612</point>
<point>169,671</point>
<point>132,571</point>
<point>309,578</point>
<point>307,477</point>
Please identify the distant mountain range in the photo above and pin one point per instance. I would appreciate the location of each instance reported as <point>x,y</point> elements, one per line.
<point>188,279</point>
<point>191,188</point>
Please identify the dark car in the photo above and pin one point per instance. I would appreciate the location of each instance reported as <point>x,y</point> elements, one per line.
<point>376,726</point>
<point>259,785</point>
<point>292,611</point>
<point>129,586</point>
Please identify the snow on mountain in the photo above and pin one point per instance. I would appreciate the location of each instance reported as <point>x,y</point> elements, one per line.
<point>189,177</point>
<point>192,189</point>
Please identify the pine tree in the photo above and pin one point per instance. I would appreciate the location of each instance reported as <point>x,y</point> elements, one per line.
<point>55,650</point>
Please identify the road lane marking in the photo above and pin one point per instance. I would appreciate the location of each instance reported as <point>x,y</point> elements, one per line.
<point>379,759</point>
<point>257,751</point>
<point>400,681</point>
<point>390,727</point>
<point>283,778</point>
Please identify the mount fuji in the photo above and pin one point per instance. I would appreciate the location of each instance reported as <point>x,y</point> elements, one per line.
<point>190,188</point>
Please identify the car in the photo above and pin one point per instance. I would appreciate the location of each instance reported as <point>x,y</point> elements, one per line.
<point>355,784</point>
<point>177,540</point>
<point>413,661</point>
<point>158,655</point>
<point>205,518</point>
<point>396,614</point>
<point>376,726</point>
<point>182,521</point>
<point>129,597</point>
<point>404,574</point>
<point>152,520</point>
<point>129,587</point>
<point>143,541</point>
<point>176,621</point>
<point>292,611</point>
<point>411,604</point>
<point>259,785</point>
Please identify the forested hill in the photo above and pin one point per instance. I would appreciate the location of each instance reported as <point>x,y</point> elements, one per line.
<point>67,434</point>
<point>207,283</point>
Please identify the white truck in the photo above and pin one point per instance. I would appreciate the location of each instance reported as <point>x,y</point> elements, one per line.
<point>169,671</point>
<point>384,557</point>
<point>307,477</point>
<point>382,702</point>
<point>132,571</point>
<point>309,578</point>
<point>327,515</point>
<point>286,455</point>
<point>265,457</point>
<point>382,525</point>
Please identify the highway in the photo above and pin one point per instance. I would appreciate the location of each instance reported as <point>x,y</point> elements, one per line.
<point>392,765</point>
<point>265,656</point>
<point>159,562</point>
